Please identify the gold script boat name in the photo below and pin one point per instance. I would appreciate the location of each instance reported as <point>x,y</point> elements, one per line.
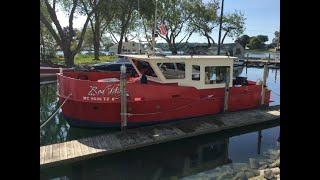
<point>108,90</point>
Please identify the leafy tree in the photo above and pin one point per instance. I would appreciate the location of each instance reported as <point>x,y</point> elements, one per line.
<point>175,17</point>
<point>99,21</point>
<point>276,39</point>
<point>233,25</point>
<point>243,40</point>
<point>255,43</point>
<point>263,38</point>
<point>64,38</point>
<point>203,18</point>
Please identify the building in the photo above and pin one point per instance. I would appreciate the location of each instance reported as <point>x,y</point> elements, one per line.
<point>234,49</point>
<point>130,47</point>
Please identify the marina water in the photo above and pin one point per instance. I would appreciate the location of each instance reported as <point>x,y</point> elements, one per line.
<point>202,157</point>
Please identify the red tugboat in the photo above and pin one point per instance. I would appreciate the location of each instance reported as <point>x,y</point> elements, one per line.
<point>168,88</point>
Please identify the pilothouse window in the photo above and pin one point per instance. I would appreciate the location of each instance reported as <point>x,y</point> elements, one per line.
<point>195,72</point>
<point>216,74</point>
<point>144,68</point>
<point>172,70</point>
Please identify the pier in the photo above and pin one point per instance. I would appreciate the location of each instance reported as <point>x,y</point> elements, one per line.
<point>86,148</point>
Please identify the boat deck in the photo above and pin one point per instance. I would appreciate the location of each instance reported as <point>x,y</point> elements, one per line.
<point>82,149</point>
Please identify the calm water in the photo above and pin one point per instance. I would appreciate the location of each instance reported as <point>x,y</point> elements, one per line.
<point>173,160</point>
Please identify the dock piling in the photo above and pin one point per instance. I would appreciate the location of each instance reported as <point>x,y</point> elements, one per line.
<point>226,94</point>
<point>264,84</point>
<point>123,98</point>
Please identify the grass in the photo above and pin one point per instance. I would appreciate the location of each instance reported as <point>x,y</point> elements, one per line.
<point>88,59</point>
<point>84,59</point>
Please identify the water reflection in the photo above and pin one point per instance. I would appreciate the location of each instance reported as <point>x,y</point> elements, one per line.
<point>56,129</point>
<point>175,159</point>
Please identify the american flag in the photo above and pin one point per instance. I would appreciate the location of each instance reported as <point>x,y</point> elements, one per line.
<point>163,28</point>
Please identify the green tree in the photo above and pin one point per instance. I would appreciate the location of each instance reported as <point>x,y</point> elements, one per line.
<point>243,40</point>
<point>175,17</point>
<point>64,38</point>
<point>203,18</point>
<point>99,21</point>
<point>233,25</point>
<point>255,43</point>
<point>263,38</point>
<point>276,39</point>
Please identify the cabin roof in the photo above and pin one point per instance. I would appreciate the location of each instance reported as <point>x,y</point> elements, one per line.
<point>178,57</point>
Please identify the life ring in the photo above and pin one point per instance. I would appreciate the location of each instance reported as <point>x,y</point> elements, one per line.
<point>83,76</point>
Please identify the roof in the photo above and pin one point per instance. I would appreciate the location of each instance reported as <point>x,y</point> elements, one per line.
<point>179,57</point>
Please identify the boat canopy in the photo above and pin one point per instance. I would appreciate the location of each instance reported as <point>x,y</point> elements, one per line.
<point>201,72</point>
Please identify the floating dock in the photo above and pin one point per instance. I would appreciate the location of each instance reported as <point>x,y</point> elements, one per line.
<point>82,149</point>
<point>261,61</point>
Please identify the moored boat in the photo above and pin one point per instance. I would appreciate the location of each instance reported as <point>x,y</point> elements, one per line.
<point>175,88</point>
<point>50,70</point>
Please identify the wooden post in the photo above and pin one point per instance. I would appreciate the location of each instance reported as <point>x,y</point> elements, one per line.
<point>247,64</point>
<point>259,142</point>
<point>226,93</point>
<point>123,98</point>
<point>264,84</point>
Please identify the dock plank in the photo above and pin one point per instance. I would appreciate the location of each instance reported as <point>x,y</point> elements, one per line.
<point>70,149</point>
<point>48,154</point>
<point>82,149</point>
<point>63,150</point>
<point>42,152</point>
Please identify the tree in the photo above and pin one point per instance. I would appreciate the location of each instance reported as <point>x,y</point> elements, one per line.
<point>175,17</point>
<point>243,40</point>
<point>263,38</point>
<point>276,39</point>
<point>88,40</point>
<point>125,17</point>
<point>203,18</point>
<point>233,25</point>
<point>255,43</point>
<point>99,21</point>
<point>64,38</point>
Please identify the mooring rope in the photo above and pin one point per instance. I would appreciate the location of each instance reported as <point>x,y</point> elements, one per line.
<point>55,112</point>
<point>208,97</point>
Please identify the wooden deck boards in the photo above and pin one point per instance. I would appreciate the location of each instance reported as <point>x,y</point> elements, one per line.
<point>77,150</point>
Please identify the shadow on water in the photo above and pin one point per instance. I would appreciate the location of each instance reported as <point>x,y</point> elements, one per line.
<point>176,159</point>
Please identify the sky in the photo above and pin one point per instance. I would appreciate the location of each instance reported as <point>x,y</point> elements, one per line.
<point>262,18</point>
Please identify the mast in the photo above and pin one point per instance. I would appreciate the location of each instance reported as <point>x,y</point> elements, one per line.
<point>154,31</point>
<point>219,44</point>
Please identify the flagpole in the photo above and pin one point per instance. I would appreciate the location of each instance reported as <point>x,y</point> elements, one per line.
<point>154,31</point>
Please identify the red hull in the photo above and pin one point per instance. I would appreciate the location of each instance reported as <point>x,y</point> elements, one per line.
<point>97,104</point>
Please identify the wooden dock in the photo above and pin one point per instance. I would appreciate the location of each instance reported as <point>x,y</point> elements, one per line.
<point>261,61</point>
<point>77,150</point>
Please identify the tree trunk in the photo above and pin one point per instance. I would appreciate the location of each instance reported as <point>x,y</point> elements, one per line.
<point>208,39</point>
<point>96,48</point>
<point>96,44</point>
<point>173,48</point>
<point>120,45</point>
<point>43,49</point>
<point>209,43</point>
<point>225,34</point>
<point>68,57</point>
